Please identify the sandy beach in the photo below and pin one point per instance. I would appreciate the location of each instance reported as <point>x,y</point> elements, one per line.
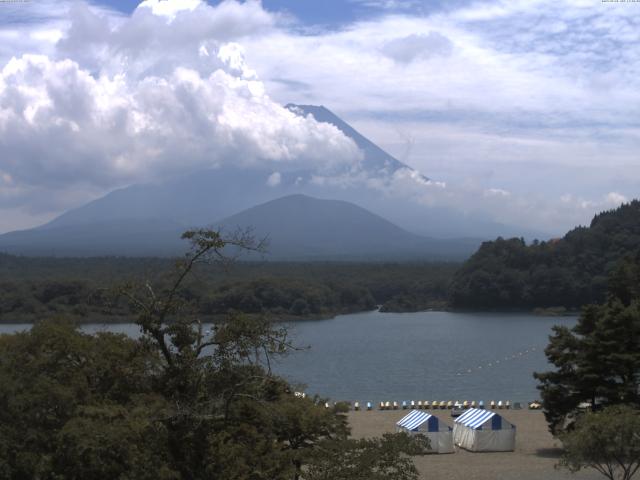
<point>535,456</point>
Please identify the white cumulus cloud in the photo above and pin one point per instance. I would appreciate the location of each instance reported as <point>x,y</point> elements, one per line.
<point>96,122</point>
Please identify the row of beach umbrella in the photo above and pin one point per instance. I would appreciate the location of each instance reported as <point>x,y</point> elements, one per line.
<point>426,405</point>
<point>444,405</point>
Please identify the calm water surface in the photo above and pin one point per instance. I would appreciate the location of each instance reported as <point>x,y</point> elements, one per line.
<point>396,356</point>
<point>427,355</point>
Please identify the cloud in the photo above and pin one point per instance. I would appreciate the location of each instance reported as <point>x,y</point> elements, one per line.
<point>101,121</point>
<point>615,199</point>
<point>521,96</point>
<point>61,121</point>
<point>496,192</point>
<point>406,49</point>
<point>170,9</point>
<point>274,179</point>
<point>394,5</point>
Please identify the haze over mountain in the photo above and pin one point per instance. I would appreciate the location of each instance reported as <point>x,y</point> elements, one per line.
<point>297,227</point>
<point>305,228</point>
<point>506,144</point>
<point>146,219</point>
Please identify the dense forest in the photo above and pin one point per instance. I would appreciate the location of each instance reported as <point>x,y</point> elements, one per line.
<point>568,272</point>
<point>503,274</point>
<point>87,289</point>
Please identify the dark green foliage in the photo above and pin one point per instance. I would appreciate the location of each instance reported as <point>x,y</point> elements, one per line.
<point>68,397</point>
<point>568,272</point>
<point>177,404</point>
<point>607,441</point>
<point>383,458</point>
<point>598,360</point>
<point>284,297</point>
<point>83,288</point>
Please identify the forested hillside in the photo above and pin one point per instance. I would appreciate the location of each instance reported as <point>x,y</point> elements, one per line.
<point>84,288</point>
<point>569,272</point>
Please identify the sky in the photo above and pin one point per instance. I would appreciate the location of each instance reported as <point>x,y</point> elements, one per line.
<point>525,110</point>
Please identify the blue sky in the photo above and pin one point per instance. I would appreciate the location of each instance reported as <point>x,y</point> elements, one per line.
<point>329,13</point>
<point>523,110</point>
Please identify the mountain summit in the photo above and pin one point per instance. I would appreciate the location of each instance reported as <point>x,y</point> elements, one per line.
<point>376,160</point>
<point>300,227</point>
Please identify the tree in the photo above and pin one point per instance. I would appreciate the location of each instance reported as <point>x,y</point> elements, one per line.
<point>179,403</point>
<point>598,360</point>
<point>71,404</point>
<point>385,458</point>
<point>607,441</point>
<point>568,272</point>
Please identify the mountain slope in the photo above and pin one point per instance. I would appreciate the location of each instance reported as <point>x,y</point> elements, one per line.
<point>201,197</point>
<point>122,237</point>
<point>298,227</point>
<point>570,272</point>
<point>132,220</point>
<point>375,159</point>
<point>302,227</point>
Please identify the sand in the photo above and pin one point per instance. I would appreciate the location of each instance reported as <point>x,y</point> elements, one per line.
<point>535,457</point>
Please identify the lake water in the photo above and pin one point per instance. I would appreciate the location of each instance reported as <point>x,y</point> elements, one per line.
<point>428,355</point>
<point>377,356</point>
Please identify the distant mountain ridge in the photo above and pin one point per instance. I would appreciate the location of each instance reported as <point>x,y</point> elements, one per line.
<point>304,228</point>
<point>201,197</point>
<point>139,219</point>
<point>298,227</point>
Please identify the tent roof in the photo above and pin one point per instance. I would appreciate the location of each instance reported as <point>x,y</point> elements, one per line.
<point>475,417</point>
<point>414,419</point>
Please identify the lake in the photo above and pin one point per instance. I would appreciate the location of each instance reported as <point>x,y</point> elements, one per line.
<point>376,356</point>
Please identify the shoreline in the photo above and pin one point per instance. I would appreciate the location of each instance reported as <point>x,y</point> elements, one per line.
<point>120,320</point>
<point>534,457</point>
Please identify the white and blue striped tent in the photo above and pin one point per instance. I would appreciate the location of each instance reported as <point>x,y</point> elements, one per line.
<point>481,430</point>
<point>419,422</point>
